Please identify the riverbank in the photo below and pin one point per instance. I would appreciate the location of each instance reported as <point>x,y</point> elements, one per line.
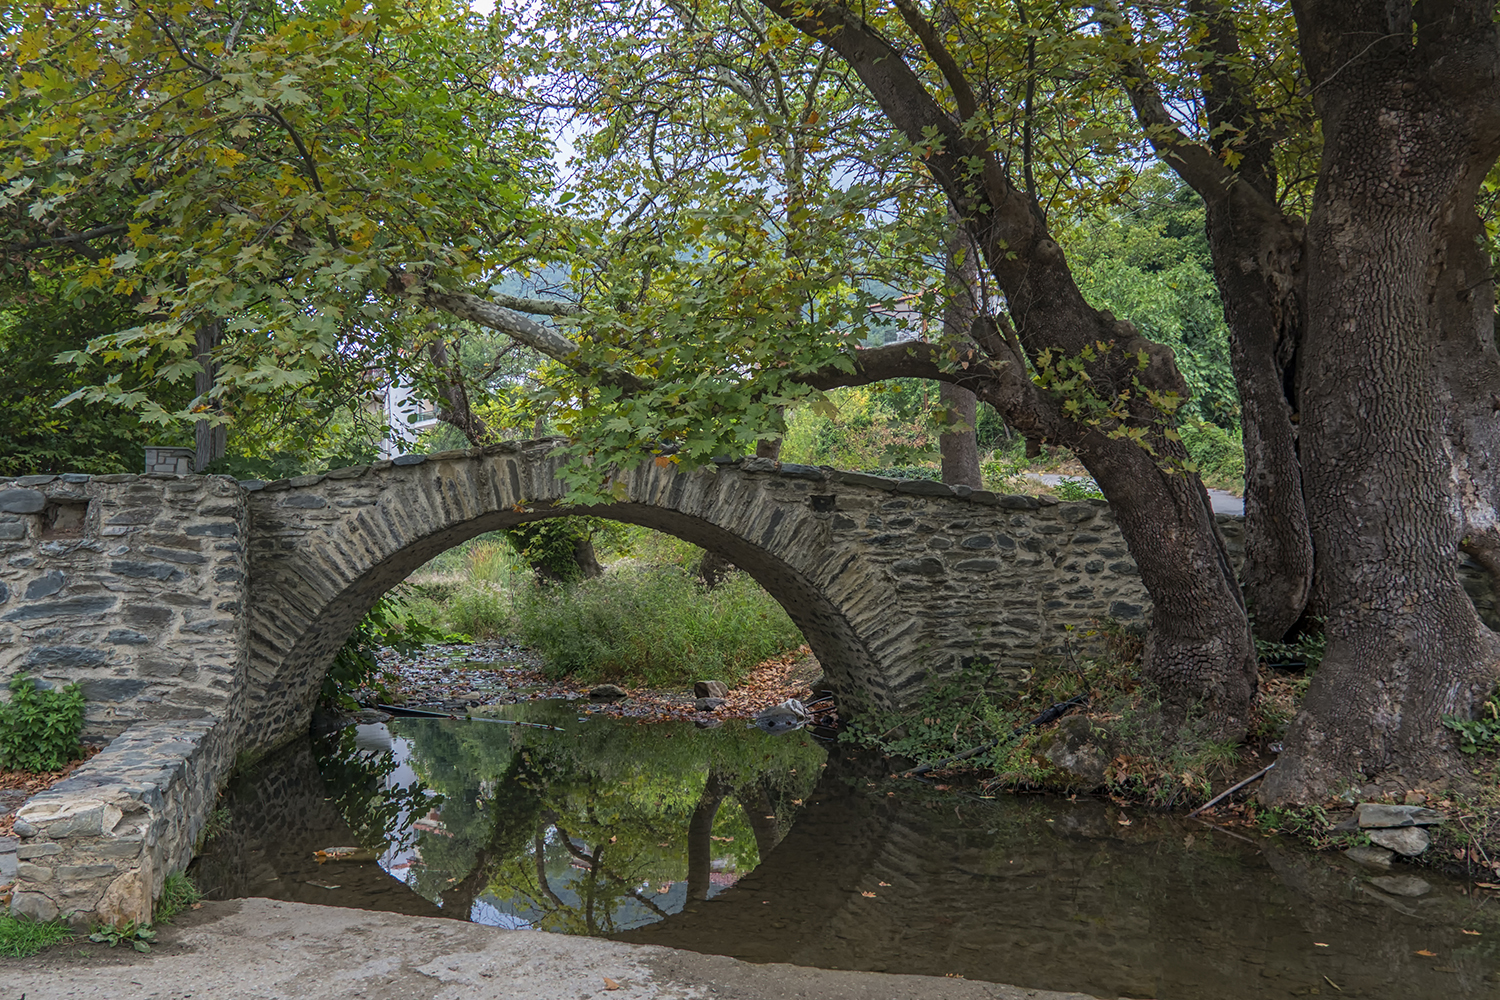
<point>268,950</point>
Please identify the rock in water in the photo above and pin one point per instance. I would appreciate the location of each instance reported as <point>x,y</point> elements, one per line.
<point>608,692</point>
<point>708,704</point>
<point>1072,749</point>
<point>1402,885</point>
<point>1408,840</point>
<point>1377,857</point>
<point>710,689</point>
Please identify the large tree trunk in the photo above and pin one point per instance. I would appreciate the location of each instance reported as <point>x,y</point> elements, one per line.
<point>1199,649</point>
<point>210,440</point>
<point>1257,256</point>
<point>959,449</point>
<point>1410,128</point>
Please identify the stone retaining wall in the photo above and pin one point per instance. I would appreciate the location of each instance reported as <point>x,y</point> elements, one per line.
<point>99,845</point>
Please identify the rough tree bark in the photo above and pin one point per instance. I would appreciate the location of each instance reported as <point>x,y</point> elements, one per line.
<point>1257,259</point>
<point>959,450</point>
<point>1399,337</point>
<point>1199,650</point>
<point>210,441</point>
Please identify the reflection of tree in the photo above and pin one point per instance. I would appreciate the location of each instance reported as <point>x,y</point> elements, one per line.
<point>358,779</point>
<point>760,813</point>
<point>575,831</point>
<point>699,833</point>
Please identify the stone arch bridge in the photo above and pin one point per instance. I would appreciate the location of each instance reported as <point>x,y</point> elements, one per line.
<point>200,614</point>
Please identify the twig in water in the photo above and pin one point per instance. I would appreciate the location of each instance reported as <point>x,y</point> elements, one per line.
<point>1230,791</point>
<point>1227,832</point>
<point>1335,985</point>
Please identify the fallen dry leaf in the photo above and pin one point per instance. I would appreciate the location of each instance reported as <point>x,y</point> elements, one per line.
<point>1487,885</point>
<point>1425,953</point>
<point>885,883</point>
<point>610,984</point>
<point>1124,820</point>
<point>1467,931</point>
<point>869,895</point>
<point>1319,944</point>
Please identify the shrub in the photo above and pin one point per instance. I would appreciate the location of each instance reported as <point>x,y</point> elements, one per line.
<point>478,612</point>
<point>1068,488</point>
<point>1218,453</point>
<point>660,627</point>
<point>39,728</point>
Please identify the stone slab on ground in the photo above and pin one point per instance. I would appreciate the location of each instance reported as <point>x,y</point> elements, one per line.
<point>267,950</point>
<point>7,859</point>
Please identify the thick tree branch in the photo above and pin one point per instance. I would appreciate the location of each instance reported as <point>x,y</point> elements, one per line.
<point>468,306</point>
<point>963,94</point>
<point>1194,162</point>
<point>537,307</point>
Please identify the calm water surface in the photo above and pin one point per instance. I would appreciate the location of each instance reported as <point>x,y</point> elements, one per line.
<point>782,849</point>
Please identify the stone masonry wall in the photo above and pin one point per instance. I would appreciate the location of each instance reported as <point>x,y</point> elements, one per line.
<point>99,845</point>
<point>133,586</point>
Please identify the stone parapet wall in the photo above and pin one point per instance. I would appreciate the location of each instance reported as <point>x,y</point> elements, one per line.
<point>132,586</point>
<point>99,845</point>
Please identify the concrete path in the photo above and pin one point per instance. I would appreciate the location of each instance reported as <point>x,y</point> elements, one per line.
<point>260,949</point>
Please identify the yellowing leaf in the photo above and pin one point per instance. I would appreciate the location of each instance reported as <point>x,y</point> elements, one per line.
<point>610,984</point>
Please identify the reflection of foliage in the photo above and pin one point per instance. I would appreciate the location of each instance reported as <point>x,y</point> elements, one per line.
<point>575,831</point>
<point>358,778</point>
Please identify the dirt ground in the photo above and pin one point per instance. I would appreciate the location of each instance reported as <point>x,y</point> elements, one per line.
<point>259,949</point>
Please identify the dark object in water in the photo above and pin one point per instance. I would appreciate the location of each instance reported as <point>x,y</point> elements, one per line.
<point>793,714</point>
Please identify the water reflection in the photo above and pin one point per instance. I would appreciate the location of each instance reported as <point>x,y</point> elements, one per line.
<point>733,842</point>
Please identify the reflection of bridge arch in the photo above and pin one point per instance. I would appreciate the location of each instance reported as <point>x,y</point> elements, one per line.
<point>890,582</point>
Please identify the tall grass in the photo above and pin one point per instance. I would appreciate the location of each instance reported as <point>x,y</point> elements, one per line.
<point>659,627</point>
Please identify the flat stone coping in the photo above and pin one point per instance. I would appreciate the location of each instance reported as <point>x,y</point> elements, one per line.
<point>272,950</point>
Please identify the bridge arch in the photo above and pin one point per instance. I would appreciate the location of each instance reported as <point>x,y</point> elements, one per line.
<point>889,582</point>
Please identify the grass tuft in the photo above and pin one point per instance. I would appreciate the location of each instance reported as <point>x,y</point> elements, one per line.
<point>177,894</point>
<point>20,938</point>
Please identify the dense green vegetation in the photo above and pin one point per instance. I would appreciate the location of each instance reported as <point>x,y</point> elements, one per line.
<point>40,726</point>
<point>20,938</point>
<point>649,619</point>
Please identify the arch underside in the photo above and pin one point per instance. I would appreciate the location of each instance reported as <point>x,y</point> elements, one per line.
<point>295,677</point>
